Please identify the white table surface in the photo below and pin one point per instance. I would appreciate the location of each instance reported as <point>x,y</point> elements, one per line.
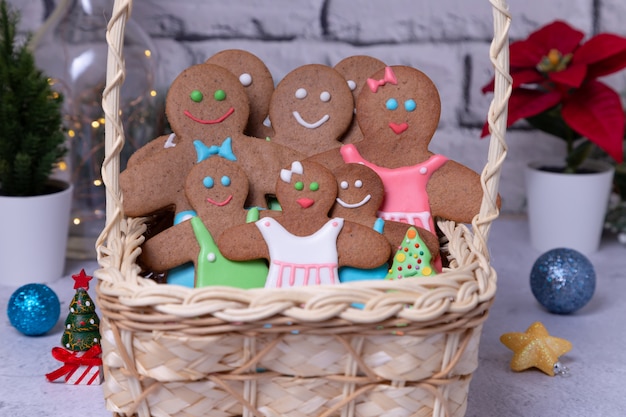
<point>596,386</point>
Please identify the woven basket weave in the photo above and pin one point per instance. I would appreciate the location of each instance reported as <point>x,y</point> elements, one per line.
<point>215,351</point>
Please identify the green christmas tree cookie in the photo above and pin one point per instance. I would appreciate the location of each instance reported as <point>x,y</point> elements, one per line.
<point>82,323</point>
<point>413,259</point>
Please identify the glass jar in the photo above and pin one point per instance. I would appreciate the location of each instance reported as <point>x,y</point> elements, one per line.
<point>71,48</point>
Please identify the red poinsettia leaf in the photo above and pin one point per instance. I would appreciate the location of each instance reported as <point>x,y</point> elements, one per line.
<point>525,54</point>
<point>526,76</point>
<point>571,77</point>
<point>524,103</point>
<point>595,111</point>
<point>557,35</point>
<point>607,66</point>
<point>603,54</point>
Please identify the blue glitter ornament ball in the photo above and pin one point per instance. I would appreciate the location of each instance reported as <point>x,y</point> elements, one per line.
<point>34,309</point>
<point>563,280</point>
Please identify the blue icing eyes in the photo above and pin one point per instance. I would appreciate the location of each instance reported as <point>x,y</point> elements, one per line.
<point>208,182</point>
<point>409,105</point>
<point>391,104</point>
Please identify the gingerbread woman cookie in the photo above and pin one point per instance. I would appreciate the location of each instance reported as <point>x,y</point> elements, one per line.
<point>398,112</point>
<point>310,109</point>
<point>258,83</point>
<point>356,70</point>
<point>216,189</point>
<point>302,243</point>
<point>205,102</point>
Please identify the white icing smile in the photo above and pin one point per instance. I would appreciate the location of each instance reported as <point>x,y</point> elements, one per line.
<point>314,125</point>
<point>354,205</point>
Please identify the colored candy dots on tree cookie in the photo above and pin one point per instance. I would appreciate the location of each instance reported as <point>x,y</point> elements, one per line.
<point>412,259</point>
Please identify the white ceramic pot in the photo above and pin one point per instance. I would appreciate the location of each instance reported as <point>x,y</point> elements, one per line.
<point>567,210</point>
<point>33,236</point>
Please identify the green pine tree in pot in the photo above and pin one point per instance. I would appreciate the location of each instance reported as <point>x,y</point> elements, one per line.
<point>31,135</point>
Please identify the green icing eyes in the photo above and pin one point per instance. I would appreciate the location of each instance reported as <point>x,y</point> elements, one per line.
<point>220,95</point>
<point>314,186</point>
<point>196,96</point>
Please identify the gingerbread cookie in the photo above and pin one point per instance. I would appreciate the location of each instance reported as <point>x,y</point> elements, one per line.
<point>398,112</point>
<point>356,70</point>
<point>305,252</point>
<point>412,259</point>
<point>258,84</point>
<point>360,194</point>
<point>205,102</point>
<point>216,189</point>
<point>310,109</point>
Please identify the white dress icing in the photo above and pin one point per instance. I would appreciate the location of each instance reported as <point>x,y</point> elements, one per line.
<point>301,260</point>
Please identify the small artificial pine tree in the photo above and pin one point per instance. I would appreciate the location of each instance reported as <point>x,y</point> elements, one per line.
<point>82,324</point>
<point>31,135</point>
<point>413,258</point>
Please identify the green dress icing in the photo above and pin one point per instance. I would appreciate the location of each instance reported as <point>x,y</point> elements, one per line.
<point>214,269</point>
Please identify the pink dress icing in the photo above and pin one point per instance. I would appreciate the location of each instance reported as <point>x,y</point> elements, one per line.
<point>406,199</point>
<point>301,260</point>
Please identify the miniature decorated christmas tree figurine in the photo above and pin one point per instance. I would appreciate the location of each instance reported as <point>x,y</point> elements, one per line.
<point>81,339</point>
<point>413,259</point>
<point>82,324</point>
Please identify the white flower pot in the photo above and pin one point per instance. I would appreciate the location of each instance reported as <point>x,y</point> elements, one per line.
<point>33,236</point>
<point>567,210</point>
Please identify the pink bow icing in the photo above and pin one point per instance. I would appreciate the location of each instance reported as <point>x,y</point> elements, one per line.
<point>389,77</point>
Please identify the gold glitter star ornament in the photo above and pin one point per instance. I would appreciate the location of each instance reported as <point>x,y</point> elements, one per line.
<point>535,349</point>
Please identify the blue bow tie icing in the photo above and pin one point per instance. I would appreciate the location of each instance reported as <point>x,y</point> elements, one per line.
<point>225,150</point>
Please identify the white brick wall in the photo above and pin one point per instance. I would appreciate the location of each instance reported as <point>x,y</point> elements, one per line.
<point>447,39</point>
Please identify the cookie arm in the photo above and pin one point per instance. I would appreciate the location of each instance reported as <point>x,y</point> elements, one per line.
<point>455,193</point>
<point>172,247</point>
<point>361,247</point>
<point>331,159</point>
<point>242,243</point>
<point>150,149</point>
<point>154,183</point>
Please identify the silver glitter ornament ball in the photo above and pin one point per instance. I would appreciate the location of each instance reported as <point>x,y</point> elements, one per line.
<point>34,309</point>
<point>563,280</point>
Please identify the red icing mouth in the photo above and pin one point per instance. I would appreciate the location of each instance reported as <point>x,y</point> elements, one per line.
<point>220,203</point>
<point>305,202</point>
<point>398,128</point>
<point>209,122</point>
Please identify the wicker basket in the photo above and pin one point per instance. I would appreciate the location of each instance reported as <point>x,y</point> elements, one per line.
<point>411,351</point>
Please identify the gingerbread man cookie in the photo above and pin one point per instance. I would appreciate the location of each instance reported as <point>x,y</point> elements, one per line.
<point>205,102</point>
<point>258,83</point>
<point>302,243</point>
<point>310,109</point>
<point>360,194</point>
<point>356,70</point>
<point>216,189</point>
<point>398,112</point>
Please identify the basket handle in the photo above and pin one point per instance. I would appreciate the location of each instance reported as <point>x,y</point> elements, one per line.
<point>114,132</point>
<point>113,128</point>
<point>497,121</point>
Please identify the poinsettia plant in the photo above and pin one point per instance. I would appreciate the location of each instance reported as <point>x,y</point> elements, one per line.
<point>556,89</point>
